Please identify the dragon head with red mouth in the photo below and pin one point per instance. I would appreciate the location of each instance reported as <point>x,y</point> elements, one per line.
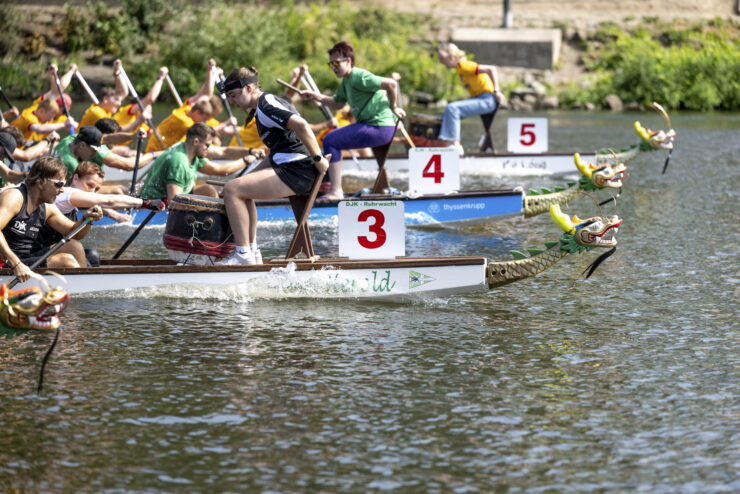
<point>585,234</point>
<point>31,308</point>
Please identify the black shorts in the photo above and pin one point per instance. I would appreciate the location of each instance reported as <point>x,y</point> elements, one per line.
<point>299,175</point>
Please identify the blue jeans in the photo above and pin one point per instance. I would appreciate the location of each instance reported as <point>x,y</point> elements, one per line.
<point>457,110</point>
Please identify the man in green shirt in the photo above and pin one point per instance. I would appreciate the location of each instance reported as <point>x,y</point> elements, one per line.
<point>176,169</point>
<point>85,146</point>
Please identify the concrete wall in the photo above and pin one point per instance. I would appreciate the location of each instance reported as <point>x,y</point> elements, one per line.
<point>530,48</point>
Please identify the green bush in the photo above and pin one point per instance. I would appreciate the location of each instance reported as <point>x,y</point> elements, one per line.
<point>695,68</point>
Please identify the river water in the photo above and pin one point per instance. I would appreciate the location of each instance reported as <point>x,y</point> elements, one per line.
<point>627,381</point>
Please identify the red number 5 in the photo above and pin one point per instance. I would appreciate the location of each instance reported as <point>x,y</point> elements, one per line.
<point>526,132</point>
<point>375,228</point>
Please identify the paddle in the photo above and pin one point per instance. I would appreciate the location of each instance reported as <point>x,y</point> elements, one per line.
<point>5,97</point>
<point>175,94</point>
<point>312,85</point>
<point>87,89</point>
<point>136,169</point>
<point>231,115</point>
<point>133,92</point>
<point>58,246</point>
<point>134,235</point>
<point>72,130</point>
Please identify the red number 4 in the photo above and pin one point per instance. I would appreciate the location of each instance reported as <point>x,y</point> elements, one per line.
<point>375,228</point>
<point>526,132</point>
<point>437,174</point>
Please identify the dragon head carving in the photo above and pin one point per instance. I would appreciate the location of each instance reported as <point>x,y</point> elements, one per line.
<point>31,308</point>
<point>657,139</point>
<point>585,234</point>
<point>599,177</point>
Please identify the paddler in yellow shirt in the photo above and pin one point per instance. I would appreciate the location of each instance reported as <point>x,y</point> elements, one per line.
<point>110,100</point>
<point>480,80</point>
<point>38,121</point>
<point>128,114</point>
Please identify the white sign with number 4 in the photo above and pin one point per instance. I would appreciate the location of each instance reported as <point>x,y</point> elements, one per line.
<point>434,170</point>
<point>527,135</point>
<point>371,229</point>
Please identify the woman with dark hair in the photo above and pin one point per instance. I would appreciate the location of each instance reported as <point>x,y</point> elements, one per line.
<point>291,168</point>
<point>24,210</point>
<point>372,100</point>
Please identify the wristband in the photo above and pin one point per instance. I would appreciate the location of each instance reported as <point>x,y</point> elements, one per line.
<point>244,159</point>
<point>154,156</point>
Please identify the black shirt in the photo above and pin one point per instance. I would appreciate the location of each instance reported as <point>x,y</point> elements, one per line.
<point>21,231</point>
<point>272,119</point>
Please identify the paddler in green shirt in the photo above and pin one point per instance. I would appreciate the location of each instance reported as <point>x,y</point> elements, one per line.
<point>85,146</point>
<point>88,145</point>
<point>373,102</point>
<point>176,169</point>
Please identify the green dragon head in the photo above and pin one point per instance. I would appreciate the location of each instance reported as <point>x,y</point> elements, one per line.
<point>31,308</point>
<point>599,177</point>
<point>584,235</point>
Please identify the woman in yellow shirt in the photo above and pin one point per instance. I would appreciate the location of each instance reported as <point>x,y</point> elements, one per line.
<point>481,81</point>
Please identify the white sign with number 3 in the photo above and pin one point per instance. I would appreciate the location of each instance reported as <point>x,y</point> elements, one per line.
<point>434,170</point>
<point>371,229</point>
<point>527,135</point>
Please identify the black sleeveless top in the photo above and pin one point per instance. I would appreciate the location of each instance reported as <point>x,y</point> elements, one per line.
<point>22,230</point>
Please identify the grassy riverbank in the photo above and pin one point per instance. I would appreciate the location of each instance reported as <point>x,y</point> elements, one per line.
<point>683,65</point>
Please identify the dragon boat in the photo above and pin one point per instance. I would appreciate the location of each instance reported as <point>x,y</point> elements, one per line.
<point>502,164</point>
<point>464,207</point>
<point>396,279</point>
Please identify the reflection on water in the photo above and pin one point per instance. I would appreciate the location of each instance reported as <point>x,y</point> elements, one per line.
<point>625,382</point>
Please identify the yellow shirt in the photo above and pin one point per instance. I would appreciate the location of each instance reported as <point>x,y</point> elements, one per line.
<point>172,129</point>
<point>93,114</point>
<point>28,117</point>
<point>474,82</point>
<point>249,135</point>
<point>125,116</point>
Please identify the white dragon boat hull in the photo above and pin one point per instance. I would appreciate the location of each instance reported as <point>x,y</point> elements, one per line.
<point>397,279</point>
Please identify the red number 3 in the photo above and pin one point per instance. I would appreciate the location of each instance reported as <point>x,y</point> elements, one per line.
<point>375,228</point>
<point>526,132</point>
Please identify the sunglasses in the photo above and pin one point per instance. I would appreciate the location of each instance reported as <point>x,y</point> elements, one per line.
<point>335,63</point>
<point>59,184</point>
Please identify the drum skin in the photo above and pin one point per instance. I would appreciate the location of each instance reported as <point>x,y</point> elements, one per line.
<point>198,225</point>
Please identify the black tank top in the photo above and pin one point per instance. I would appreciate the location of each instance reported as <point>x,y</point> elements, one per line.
<point>22,230</point>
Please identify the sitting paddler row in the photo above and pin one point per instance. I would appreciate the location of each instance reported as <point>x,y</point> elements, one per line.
<point>38,213</point>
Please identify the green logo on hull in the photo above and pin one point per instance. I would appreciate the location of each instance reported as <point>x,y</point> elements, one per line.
<point>416,279</point>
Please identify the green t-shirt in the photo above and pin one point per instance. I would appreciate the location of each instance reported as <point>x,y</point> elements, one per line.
<point>64,152</point>
<point>171,167</point>
<point>368,102</point>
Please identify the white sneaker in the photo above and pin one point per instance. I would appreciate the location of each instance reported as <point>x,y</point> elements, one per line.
<point>257,256</point>
<point>236,259</point>
<point>460,150</point>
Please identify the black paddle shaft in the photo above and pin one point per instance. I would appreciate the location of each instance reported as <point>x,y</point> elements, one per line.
<point>58,246</point>
<point>5,97</point>
<point>136,166</point>
<point>134,235</point>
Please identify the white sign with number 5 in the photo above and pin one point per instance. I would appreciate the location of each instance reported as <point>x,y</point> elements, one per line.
<point>527,135</point>
<point>371,229</point>
<point>434,170</point>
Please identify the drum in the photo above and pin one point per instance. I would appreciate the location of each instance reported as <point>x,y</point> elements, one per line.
<point>426,126</point>
<point>197,226</point>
